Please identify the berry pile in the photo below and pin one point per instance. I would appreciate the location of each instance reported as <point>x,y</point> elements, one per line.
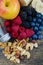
<point>16,29</point>
<point>37,25</point>
<point>32,20</point>
<point>29,23</point>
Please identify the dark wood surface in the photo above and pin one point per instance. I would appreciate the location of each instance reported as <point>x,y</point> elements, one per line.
<point>36,57</point>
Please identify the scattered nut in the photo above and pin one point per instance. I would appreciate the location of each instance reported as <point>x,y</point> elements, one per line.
<point>12,58</point>
<point>35,45</point>
<point>27,40</point>
<point>23,52</point>
<point>9,44</point>
<point>29,46</point>
<point>27,54</point>
<point>13,51</point>
<point>8,56</point>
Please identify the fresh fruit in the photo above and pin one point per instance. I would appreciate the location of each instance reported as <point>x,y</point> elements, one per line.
<point>35,28</point>
<point>22,29</point>
<point>8,29</point>
<point>32,24</point>
<point>23,15</point>
<point>38,15</point>
<point>14,35</point>
<point>28,24</point>
<point>29,18</point>
<point>7,23</point>
<point>40,37</point>
<point>9,9</point>
<point>34,37</point>
<point>34,19</point>
<point>29,33</point>
<point>25,24</point>
<point>39,32</point>
<point>17,20</point>
<point>37,24</point>
<point>28,10</point>
<point>15,28</point>
<point>22,36</point>
<point>39,20</point>
<point>41,28</point>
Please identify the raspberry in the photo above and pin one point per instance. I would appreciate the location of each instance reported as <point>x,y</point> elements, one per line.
<point>17,20</point>
<point>21,29</point>
<point>14,35</point>
<point>22,35</point>
<point>7,23</point>
<point>8,29</point>
<point>29,32</point>
<point>15,28</point>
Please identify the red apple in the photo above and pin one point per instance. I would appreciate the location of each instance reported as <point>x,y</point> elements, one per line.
<point>9,9</point>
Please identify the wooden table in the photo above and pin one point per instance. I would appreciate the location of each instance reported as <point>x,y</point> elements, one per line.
<point>36,57</point>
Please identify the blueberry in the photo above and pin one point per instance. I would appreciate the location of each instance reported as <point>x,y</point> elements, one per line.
<point>32,24</point>
<point>37,24</point>
<point>35,28</point>
<point>28,10</point>
<point>34,37</point>
<point>29,18</point>
<point>39,15</point>
<point>23,15</point>
<point>39,20</point>
<point>38,32</point>
<point>34,20</point>
<point>40,37</point>
<point>41,28</point>
<point>25,24</point>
